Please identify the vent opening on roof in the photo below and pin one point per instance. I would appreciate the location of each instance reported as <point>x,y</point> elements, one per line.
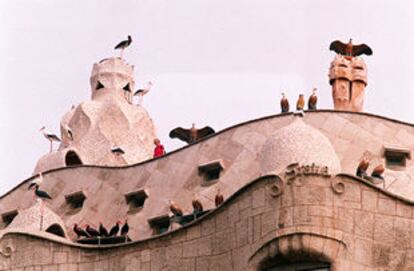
<point>396,157</point>
<point>99,85</point>
<point>211,171</point>
<point>72,159</point>
<point>159,224</point>
<point>56,229</point>
<point>127,87</point>
<point>75,201</point>
<point>8,217</point>
<point>136,200</point>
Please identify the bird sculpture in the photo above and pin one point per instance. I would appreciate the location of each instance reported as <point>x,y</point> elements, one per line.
<point>313,100</point>
<point>197,206</point>
<point>349,50</point>
<point>103,232</point>
<point>175,209</point>
<point>141,92</point>
<point>50,137</point>
<point>91,231</point>
<point>79,232</point>
<point>300,104</point>
<point>218,199</point>
<point>115,229</point>
<point>117,151</point>
<point>191,135</point>
<point>123,44</point>
<point>377,172</point>
<point>362,168</point>
<point>36,181</point>
<point>284,104</point>
<point>69,132</point>
<point>40,193</point>
<point>125,228</point>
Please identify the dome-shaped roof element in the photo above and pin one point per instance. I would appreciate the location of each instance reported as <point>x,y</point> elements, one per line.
<point>38,218</point>
<point>297,143</point>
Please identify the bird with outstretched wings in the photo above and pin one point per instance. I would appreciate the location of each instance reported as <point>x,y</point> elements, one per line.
<point>349,49</point>
<point>191,135</point>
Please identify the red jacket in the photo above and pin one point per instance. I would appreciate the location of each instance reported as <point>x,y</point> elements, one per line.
<point>159,151</point>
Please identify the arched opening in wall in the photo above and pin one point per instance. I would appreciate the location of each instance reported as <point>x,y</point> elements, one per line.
<point>72,159</point>
<point>56,229</point>
<point>295,262</point>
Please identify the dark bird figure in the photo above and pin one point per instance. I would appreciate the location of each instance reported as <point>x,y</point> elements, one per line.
<point>362,168</point>
<point>115,229</point>
<point>300,104</point>
<point>191,135</point>
<point>50,137</point>
<point>117,151</point>
<point>125,228</point>
<point>79,232</point>
<point>377,172</point>
<point>91,231</point>
<point>41,194</point>
<point>349,50</point>
<point>103,232</point>
<point>197,206</point>
<point>218,198</point>
<point>123,44</point>
<point>313,100</point>
<point>175,209</point>
<point>284,104</point>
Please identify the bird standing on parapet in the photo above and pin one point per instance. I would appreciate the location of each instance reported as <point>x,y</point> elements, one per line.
<point>197,207</point>
<point>218,199</point>
<point>91,231</point>
<point>362,168</point>
<point>50,137</point>
<point>125,228</point>
<point>191,135</point>
<point>377,172</point>
<point>123,44</point>
<point>115,229</point>
<point>103,232</point>
<point>300,104</point>
<point>313,100</point>
<point>284,104</point>
<point>349,50</point>
<point>79,232</point>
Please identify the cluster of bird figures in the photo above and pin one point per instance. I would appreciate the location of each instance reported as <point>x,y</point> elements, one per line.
<point>300,104</point>
<point>101,232</point>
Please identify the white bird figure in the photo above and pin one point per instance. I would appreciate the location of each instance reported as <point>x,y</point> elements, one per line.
<point>50,137</point>
<point>69,132</point>
<point>141,92</point>
<point>36,181</point>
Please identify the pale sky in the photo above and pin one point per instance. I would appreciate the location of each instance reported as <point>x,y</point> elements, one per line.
<point>213,62</point>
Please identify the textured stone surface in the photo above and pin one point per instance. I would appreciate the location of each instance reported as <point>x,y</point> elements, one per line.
<point>297,143</point>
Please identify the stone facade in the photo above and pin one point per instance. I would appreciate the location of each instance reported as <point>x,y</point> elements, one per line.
<point>339,219</point>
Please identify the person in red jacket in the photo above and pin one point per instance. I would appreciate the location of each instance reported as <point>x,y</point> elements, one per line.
<point>159,148</point>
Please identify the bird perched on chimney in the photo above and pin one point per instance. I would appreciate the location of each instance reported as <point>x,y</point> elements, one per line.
<point>349,50</point>
<point>313,100</point>
<point>123,44</point>
<point>284,104</point>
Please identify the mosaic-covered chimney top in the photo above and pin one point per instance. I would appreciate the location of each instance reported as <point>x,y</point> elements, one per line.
<point>110,120</point>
